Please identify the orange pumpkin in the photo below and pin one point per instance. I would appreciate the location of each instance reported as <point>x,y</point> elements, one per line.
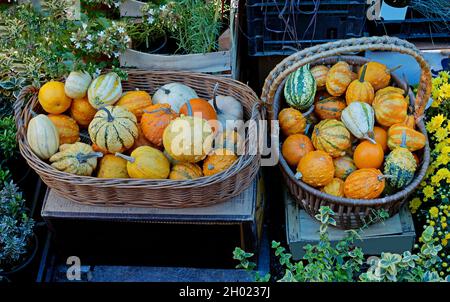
<point>380,136</point>
<point>368,155</point>
<point>330,108</point>
<point>219,160</point>
<point>135,101</point>
<point>316,169</point>
<point>415,140</point>
<point>67,127</point>
<point>390,108</point>
<point>295,147</point>
<point>141,141</point>
<point>201,108</point>
<point>82,111</point>
<point>360,90</point>
<point>378,74</point>
<point>343,166</point>
<point>184,171</point>
<point>389,89</point>
<point>154,120</point>
<point>364,184</point>
<point>52,97</point>
<point>335,188</point>
<point>291,121</point>
<point>338,78</point>
<point>319,73</point>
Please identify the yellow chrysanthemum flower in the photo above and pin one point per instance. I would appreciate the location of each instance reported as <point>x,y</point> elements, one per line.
<point>428,191</point>
<point>441,134</point>
<point>415,204</point>
<point>435,123</point>
<point>434,212</point>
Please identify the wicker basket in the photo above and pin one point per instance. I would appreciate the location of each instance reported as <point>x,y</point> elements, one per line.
<point>350,213</point>
<point>166,193</point>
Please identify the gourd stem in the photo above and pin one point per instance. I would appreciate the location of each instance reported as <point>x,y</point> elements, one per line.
<point>125,157</point>
<point>367,137</point>
<point>403,144</point>
<point>394,69</point>
<point>298,175</point>
<point>110,117</point>
<point>216,87</point>
<point>381,177</point>
<point>166,91</point>
<point>82,158</point>
<point>310,110</point>
<point>189,108</point>
<point>363,73</point>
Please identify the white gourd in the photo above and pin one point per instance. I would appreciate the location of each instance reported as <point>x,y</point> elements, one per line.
<point>359,119</point>
<point>105,90</point>
<point>42,136</point>
<point>175,94</point>
<point>77,84</point>
<point>227,109</point>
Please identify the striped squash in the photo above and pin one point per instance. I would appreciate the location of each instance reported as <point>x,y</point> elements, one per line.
<point>77,84</point>
<point>400,167</point>
<point>332,137</point>
<point>105,90</point>
<point>329,108</point>
<point>300,89</point>
<point>359,118</point>
<point>113,129</point>
<point>67,127</point>
<point>135,101</point>
<point>389,89</point>
<point>413,140</point>
<point>319,73</point>
<point>338,78</point>
<point>364,184</point>
<point>390,108</point>
<point>42,136</point>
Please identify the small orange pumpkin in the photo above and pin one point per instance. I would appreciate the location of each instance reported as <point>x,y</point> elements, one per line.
<point>291,121</point>
<point>135,101</point>
<point>203,109</point>
<point>377,74</point>
<point>82,112</point>
<point>343,166</point>
<point>364,184</point>
<point>415,140</point>
<point>96,148</point>
<point>316,169</point>
<point>319,73</point>
<point>368,155</point>
<point>330,108</point>
<point>338,78</point>
<point>332,137</point>
<point>295,147</point>
<point>141,141</point>
<point>67,127</point>
<point>154,120</point>
<point>184,171</point>
<point>219,160</point>
<point>360,90</point>
<point>390,108</point>
<point>389,89</point>
<point>53,98</point>
<point>380,136</point>
<point>335,187</point>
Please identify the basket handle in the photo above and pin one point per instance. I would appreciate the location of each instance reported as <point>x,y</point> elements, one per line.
<point>315,53</point>
<point>19,104</point>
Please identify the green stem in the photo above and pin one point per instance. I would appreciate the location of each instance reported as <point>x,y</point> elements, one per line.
<point>110,117</point>
<point>82,158</point>
<point>363,73</point>
<point>390,70</point>
<point>216,87</point>
<point>125,157</point>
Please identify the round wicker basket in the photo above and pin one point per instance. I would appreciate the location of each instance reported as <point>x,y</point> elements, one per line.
<point>350,213</point>
<point>200,192</point>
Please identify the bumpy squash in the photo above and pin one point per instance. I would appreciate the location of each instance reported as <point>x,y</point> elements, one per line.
<point>154,120</point>
<point>113,129</point>
<point>377,74</point>
<point>335,187</point>
<point>364,184</point>
<point>380,136</point>
<point>329,108</point>
<point>359,119</point>
<point>343,167</point>
<point>291,121</point>
<point>360,90</point>
<point>332,137</point>
<point>219,160</point>
<point>174,94</point>
<point>316,169</point>
<point>67,127</point>
<point>295,147</point>
<point>319,73</point>
<point>105,90</point>
<point>230,139</point>
<point>53,99</point>
<point>415,140</point>
<point>82,111</point>
<point>389,89</point>
<point>368,155</point>
<point>390,108</point>
<point>112,166</point>
<point>184,171</point>
<point>147,162</point>
<point>202,109</point>
<point>400,167</point>
<point>300,89</point>
<point>135,101</point>
<point>78,158</point>
<point>42,136</point>
<point>338,78</point>
<point>77,84</point>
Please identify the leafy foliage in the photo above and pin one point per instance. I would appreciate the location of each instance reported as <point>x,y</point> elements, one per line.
<point>8,143</point>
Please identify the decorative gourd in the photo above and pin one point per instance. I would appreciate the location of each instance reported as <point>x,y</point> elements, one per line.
<point>42,136</point>
<point>230,139</point>
<point>78,158</point>
<point>300,89</point>
<point>343,167</point>
<point>154,120</point>
<point>184,171</point>
<point>142,141</point>
<point>295,147</point>
<point>188,138</point>
<point>229,110</point>
<point>98,149</point>
<point>147,162</point>
<point>389,89</point>
<point>330,108</point>
<point>364,184</point>
<point>338,78</point>
<point>112,166</point>
<point>359,119</point>
<point>319,73</point>
<point>390,108</point>
<point>202,109</point>
<point>410,121</point>
<point>174,94</point>
<point>400,166</point>
<point>105,90</point>
<point>316,169</point>
<point>219,160</point>
<point>335,187</point>
<point>360,90</point>
<point>377,74</point>
<point>368,155</point>
<point>113,129</point>
<point>135,101</point>
<point>52,97</point>
<point>67,127</point>
<point>415,140</point>
<point>171,160</point>
<point>77,84</point>
<point>380,136</point>
<point>332,137</point>
<point>82,112</point>
<point>291,121</point>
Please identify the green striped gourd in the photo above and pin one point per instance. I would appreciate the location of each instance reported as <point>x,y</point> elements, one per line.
<point>105,90</point>
<point>332,137</point>
<point>42,136</point>
<point>77,84</point>
<point>359,118</point>
<point>300,89</point>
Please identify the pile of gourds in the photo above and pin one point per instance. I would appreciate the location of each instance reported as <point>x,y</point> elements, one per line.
<point>174,134</point>
<point>363,142</point>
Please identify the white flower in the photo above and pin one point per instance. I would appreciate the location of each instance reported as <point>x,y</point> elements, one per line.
<point>73,39</point>
<point>116,4</point>
<point>89,37</point>
<point>120,30</point>
<point>150,19</point>
<point>77,45</point>
<point>151,11</point>
<point>89,45</point>
<point>97,72</point>
<point>116,54</point>
<point>84,25</point>
<point>101,34</point>
<point>127,39</point>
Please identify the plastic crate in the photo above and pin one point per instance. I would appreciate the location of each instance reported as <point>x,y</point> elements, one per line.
<point>282,27</point>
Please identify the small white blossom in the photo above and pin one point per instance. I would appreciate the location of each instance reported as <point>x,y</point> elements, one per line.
<point>126,39</point>
<point>120,30</point>
<point>77,45</point>
<point>101,34</point>
<point>89,45</point>
<point>84,25</point>
<point>89,37</point>
<point>73,39</point>
<point>116,54</point>
<point>150,19</point>
<point>116,4</point>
